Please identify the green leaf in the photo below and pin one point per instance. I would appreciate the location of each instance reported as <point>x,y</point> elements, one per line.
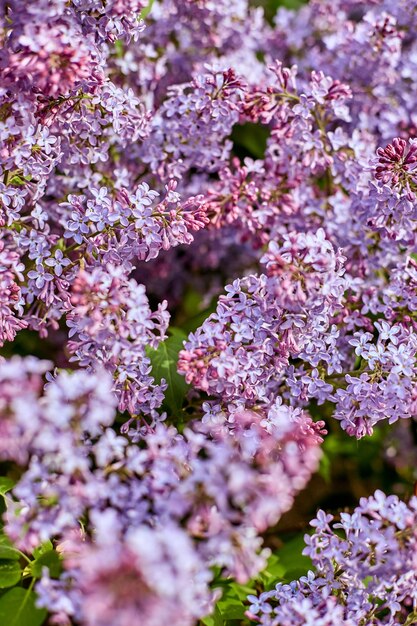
<point>10,574</point>
<point>274,571</point>
<point>17,608</point>
<point>271,6</point>
<point>145,12</point>
<point>295,573</point>
<point>7,550</point>
<point>194,322</point>
<point>325,467</point>
<point>232,609</point>
<point>291,558</point>
<point>6,484</point>
<point>241,591</point>
<point>191,302</point>
<point>231,605</point>
<point>119,49</point>
<point>251,138</point>
<point>164,365</point>
<point>44,547</point>
<point>51,560</point>
<point>215,619</point>
<point>293,5</point>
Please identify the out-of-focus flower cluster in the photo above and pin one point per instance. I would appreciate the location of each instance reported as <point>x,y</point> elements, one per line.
<point>165,506</point>
<point>149,151</point>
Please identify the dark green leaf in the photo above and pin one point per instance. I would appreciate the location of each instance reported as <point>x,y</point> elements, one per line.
<point>7,550</point>
<point>10,574</point>
<point>293,5</point>
<point>291,558</point>
<point>145,12</point>
<point>51,560</point>
<point>271,6</point>
<point>6,484</point>
<point>17,608</point>
<point>241,591</point>
<point>232,609</point>
<point>44,547</point>
<point>215,619</point>
<point>164,365</point>
<point>251,138</point>
<point>325,467</point>
<point>191,302</point>
<point>295,573</point>
<point>197,320</point>
<point>231,605</point>
<point>273,572</point>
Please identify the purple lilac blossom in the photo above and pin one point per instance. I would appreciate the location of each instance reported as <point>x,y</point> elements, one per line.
<point>364,570</point>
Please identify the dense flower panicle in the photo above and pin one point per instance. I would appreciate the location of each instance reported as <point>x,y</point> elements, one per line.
<point>67,52</point>
<point>212,489</point>
<point>243,348</point>
<point>50,62</point>
<point>111,325</point>
<point>301,611</point>
<point>300,146</point>
<point>387,391</point>
<point>73,400</point>
<point>10,294</point>
<point>16,431</point>
<point>128,226</point>
<point>401,291</point>
<point>365,569</point>
<point>191,34</point>
<point>246,349</point>
<point>191,126</point>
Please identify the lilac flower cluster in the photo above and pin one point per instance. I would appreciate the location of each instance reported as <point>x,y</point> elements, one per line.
<point>365,570</point>
<point>263,321</point>
<point>280,333</point>
<point>110,325</point>
<point>67,128</point>
<point>192,124</point>
<point>165,506</point>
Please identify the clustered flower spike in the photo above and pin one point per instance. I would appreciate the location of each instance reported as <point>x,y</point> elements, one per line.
<point>365,571</point>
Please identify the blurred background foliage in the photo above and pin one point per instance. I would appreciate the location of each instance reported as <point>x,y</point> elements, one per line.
<point>271,6</point>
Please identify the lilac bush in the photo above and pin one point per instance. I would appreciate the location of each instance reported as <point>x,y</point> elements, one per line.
<point>208,273</point>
